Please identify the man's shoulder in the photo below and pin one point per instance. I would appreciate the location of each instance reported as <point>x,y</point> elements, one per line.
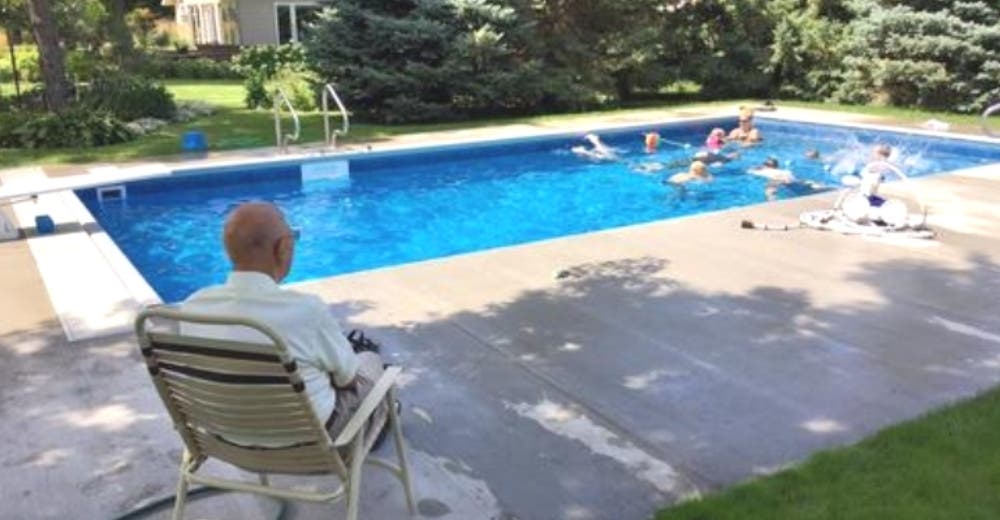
<point>305,300</point>
<point>206,293</point>
<point>285,298</point>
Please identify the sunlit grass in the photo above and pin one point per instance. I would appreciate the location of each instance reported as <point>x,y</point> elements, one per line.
<point>959,122</point>
<point>941,466</point>
<point>236,127</point>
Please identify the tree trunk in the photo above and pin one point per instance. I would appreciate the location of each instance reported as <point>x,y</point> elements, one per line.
<point>623,84</point>
<point>50,55</point>
<point>120,35</point>
<point>13,64</point>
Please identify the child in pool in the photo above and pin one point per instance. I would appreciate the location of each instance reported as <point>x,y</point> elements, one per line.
<point>716,140</point>
<point>598,152</point>
<point>698,172</point>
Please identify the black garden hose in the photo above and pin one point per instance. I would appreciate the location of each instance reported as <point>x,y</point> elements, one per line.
<point>193,494</point>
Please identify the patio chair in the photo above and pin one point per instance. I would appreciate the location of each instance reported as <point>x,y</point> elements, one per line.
<point>219,391</point>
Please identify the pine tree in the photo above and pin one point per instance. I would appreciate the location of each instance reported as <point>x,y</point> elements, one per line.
<point>387,57</point>
<point>425,60</point>
<point>927,53</point>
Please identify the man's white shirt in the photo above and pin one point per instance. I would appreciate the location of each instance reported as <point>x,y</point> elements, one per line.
<point>313,336</point>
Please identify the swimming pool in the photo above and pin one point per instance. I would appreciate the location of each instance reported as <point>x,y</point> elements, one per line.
<point>374,210</point>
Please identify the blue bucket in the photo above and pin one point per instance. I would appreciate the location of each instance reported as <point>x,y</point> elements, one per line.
<point>194,141</point>
<point>44,225</point>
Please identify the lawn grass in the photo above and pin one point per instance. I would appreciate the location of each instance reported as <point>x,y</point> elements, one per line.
<point>235,127</point>
<point>960,122</point>
<point>940,466</point>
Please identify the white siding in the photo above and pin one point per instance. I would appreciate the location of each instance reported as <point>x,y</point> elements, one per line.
<point>256,22</point>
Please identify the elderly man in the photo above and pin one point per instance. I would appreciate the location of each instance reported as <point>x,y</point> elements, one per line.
<point>260,246</point>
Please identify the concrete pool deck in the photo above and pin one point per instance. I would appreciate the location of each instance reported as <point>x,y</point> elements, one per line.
<point>595,376</point>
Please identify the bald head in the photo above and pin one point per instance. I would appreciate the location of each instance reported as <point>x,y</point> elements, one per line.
<point>257,238</point>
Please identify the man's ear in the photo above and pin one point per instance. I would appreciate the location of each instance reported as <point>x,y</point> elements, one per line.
<point>281,249</point>
<point>276,250</point>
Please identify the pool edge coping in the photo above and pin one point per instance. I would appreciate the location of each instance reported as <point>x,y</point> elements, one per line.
<point>136,284</point>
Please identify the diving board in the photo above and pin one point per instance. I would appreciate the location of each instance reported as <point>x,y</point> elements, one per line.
<point>19,188</point>
<point>94,289</point>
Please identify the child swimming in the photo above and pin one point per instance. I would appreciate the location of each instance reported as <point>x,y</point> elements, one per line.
<point>716,140</point>
<point>778,177</point>
<point>599,152</point>
<point>698,172</point>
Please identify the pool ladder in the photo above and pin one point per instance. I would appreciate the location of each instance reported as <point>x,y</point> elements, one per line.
<point>345,123</point>
<point>986,115</point>
<point>281,102</point>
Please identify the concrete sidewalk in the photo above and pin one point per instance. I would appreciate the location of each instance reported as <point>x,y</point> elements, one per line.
<point>589,377</point>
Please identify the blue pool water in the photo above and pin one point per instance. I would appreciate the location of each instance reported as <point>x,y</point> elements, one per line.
<point>412,206</point>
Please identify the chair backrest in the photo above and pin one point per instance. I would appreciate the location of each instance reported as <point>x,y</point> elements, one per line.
<point>240,402</point>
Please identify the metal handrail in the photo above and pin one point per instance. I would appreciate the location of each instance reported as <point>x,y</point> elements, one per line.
<point>986,114</point>
<point>331,137</point>
<point>280,98</point>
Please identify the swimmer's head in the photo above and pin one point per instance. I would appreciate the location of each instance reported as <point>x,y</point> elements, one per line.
<point>698,169</point>
<point>717,133</point>
<point>770,162</point>
<point>746,114</point>
<point>652,140</point>
<point>882,151</point>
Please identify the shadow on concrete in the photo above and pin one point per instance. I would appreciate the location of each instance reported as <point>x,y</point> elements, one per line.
<point>715,386</point>
<point>614,390</point>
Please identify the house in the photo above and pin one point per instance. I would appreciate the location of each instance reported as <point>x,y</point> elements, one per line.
<point>243,22</point>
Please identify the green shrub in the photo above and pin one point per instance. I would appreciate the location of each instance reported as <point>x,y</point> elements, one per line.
<point>168,67</point>
<point>80,127</point>
<point>805,52</point>
<point>27,64</point>
<point>130,97</point>
<point>299,85</point>
<point>33,99</point>
<point>8,123</point>
<point>83,65</point>
<point>141,22</point>
<point>260,64</point>
<point>267,59</point>
<point>204,68</point>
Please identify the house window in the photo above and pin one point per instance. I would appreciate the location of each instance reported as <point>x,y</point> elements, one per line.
<point>204,20</point>
<point>292,20</point>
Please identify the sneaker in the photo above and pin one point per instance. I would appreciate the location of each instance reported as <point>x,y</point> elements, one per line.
<point>361,343</point>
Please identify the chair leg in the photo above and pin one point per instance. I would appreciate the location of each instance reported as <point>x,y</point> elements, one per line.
<point>180,498</point>
<point>404,466</point>
<point>354,478</point>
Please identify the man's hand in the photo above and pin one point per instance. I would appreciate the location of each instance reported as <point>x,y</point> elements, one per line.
<point>351,385</point>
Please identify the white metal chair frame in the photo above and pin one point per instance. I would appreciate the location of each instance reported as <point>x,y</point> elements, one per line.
<point>214,387</point>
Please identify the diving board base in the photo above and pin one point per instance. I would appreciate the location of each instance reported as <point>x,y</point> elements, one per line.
<point>89,299</point>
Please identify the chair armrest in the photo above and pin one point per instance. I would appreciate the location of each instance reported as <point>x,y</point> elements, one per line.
<point>368,406</point>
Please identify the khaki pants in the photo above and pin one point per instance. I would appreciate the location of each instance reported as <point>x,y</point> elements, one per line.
<point>369,371</point>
